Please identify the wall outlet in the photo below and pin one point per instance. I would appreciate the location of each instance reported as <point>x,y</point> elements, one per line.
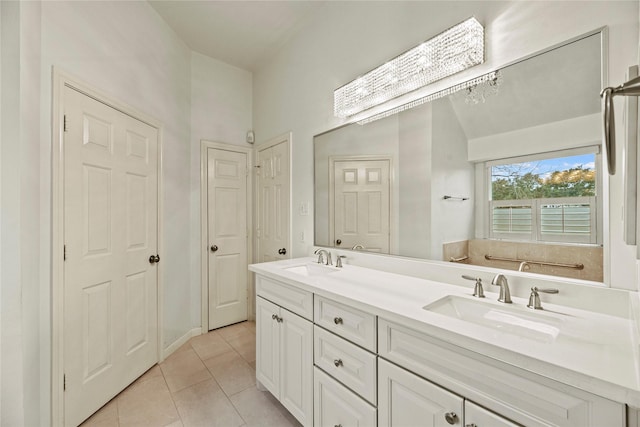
<point>304,208</point>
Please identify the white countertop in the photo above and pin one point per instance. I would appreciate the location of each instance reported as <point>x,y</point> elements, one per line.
<point>605,363</point>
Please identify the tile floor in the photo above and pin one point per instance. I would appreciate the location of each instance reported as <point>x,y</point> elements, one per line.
<point>209,381</point>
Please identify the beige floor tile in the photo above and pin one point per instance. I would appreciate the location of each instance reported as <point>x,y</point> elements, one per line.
<point>206,404</point>
<point>107,416</point>
<point>234,331</point>
<point>147,403</point>
<point>262,409</point>
<point>210,345</point>
<point>247,351</point>
<point>232,372</point>
<point>184,369</point>
<point>251,325</point>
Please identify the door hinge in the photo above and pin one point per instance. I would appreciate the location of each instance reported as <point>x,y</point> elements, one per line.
<point>64,253</point>
<point>64,382</point>
<point>64,124</point>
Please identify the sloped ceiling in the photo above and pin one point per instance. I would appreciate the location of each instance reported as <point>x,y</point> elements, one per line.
<point>240,33</point>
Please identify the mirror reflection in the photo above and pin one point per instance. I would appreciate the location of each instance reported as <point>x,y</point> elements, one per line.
<point>504,174</point>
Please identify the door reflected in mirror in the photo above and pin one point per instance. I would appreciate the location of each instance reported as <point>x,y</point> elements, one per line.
<point>419,183</point>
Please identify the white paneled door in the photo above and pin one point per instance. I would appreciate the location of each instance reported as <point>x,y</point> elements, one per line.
<point>227,234</point>
<point>274,205</point>
<point>361,204</point>
<point>111,253</point>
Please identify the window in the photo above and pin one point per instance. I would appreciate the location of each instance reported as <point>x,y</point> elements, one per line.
<point>550,198</point>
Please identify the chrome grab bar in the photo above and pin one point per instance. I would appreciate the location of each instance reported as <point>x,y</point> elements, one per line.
<point>579,266</point>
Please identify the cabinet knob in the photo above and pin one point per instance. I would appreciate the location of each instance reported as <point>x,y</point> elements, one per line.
<point>451,417</point>
<point>338,362</point>
<point>214,248</point>
<point>471,425</point>
<point>337,425</point>
<point>274,317</point>
<point>337,320</point>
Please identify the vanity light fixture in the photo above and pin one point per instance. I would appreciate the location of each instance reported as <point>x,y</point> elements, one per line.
<point>448,53</point>
<point>630,88</point>
<point>493,76</point>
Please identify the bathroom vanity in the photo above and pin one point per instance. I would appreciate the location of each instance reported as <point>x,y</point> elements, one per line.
<point>356,346</point>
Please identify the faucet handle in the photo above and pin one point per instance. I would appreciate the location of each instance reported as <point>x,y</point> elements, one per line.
<point>478,292</point>
<point>339,259</point>
<point>534,298</point>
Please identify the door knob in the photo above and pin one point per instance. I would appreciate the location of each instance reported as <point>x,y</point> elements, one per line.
<point>451,417</point>
<point>214,248</point>
<point>282,251</point>
<point>154,258</point>
<point>338,242</point>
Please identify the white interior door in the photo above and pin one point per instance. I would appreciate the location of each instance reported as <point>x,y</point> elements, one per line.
<point>361,204</point>
<point>274,206</point>
<point>110,232</point>
<point>227,232</point>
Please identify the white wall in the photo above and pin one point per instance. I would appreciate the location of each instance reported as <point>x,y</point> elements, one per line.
<point>125,50</point>
<point>221,111</point>
<point>294,91</point>
<point>451,174</point>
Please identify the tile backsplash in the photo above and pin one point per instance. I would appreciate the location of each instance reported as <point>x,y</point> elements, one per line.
<point>476,249</point>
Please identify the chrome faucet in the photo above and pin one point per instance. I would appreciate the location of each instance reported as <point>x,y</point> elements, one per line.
<point>534,298</point>
<point>339,259</point>
<point>505,295</point>
<point>323,256</point>
<point>524,266</point>
<point>478,292</point>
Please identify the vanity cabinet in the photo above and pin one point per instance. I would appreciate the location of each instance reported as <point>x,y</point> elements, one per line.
<point>405,399</point>
<point>331,364</point>
<point>284,349</point>
<point>526,398</point>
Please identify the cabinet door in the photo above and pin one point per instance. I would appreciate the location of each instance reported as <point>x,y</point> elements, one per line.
<point>477,416</point>
<point>267,345</point>
<point>296,366</point>
<point>338,406</point>
<point>405,399</point>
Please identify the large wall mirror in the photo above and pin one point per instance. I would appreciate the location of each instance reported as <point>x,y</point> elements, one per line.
<point>506,174</point>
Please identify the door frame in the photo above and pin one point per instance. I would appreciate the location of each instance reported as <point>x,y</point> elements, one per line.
<point>60,80</point>
<point>204,243</point>
<point>393,203</point>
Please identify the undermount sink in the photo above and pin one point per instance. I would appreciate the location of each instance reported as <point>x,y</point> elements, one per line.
<point>312,269</point>
<point>516,320</point>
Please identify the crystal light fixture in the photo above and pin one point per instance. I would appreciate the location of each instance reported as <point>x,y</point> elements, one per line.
<point>492,78</point>
<point>450,52</point>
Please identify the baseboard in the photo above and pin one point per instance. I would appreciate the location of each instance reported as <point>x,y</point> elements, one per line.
<point>180,341</point>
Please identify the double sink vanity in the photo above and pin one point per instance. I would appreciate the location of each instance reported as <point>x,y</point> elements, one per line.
<point>358,346</point>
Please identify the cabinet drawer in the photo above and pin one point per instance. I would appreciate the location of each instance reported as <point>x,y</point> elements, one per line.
<point>522,396</point>
<point>293,299</point>
<point>348,363</point>
<point>335,405</point>
<point>475,415</point>
<point>355,325</point>
<point>408,400</point>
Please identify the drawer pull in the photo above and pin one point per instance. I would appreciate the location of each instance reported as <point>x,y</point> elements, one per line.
<point>451,417</point>
<point>337,320</point>
<point>338,363</point>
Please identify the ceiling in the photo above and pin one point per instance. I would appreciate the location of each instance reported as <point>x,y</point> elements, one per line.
<point>240,33</point>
